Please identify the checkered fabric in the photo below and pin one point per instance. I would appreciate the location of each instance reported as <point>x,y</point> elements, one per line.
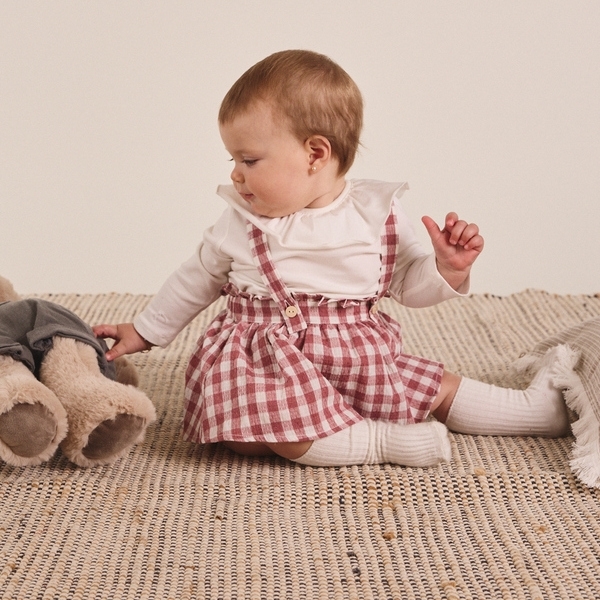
<point>262,372</point>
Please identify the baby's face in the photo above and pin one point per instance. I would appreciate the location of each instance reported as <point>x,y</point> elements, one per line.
<point>272,169</point>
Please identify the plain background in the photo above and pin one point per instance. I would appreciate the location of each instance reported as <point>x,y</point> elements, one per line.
<point>110,154</point>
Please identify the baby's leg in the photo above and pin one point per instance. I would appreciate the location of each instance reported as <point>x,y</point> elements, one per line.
<point>290,450</point>
<point>375,442</point>
<point>366,442</point>
<point>473,407</point>
<point>249,448</point>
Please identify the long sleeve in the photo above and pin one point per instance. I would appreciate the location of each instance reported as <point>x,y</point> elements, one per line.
<point>417,282</point>
<point>188,291</point>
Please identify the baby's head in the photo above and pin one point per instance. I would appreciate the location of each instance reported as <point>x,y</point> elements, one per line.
<point>310,93</point>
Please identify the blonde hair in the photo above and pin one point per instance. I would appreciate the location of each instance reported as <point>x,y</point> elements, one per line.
<point>312,93</point>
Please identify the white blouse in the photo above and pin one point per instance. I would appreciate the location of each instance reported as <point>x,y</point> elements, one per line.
<point>333,251</point>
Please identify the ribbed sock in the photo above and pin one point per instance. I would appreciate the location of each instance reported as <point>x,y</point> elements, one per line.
<point>483,409</point>
<point>373,442</point>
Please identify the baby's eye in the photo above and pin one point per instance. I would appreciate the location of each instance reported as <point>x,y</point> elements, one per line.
<point>246,161</point>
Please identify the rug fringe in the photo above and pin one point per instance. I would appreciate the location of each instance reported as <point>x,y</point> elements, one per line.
<point>585,461</point>
<point>527,365</point>
<point>585,457</point>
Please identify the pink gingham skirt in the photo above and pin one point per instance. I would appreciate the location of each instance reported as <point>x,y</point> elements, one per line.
<point>297,368</point>
<point>251,380</point>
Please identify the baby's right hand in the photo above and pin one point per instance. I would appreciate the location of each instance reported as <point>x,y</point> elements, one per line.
<point>128,340</point>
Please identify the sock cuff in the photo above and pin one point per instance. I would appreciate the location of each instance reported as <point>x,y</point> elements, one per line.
<point>455,406</point>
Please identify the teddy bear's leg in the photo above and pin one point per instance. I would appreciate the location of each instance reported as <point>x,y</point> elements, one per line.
<point>105,417</point>
<point>32,420</point>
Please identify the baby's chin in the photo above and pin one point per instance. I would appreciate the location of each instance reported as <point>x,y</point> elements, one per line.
<point>270,212</point>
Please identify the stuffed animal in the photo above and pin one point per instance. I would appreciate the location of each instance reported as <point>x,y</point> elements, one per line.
<point>57,388</point>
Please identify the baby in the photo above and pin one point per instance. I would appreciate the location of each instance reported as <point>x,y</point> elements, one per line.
<point>302,363</point>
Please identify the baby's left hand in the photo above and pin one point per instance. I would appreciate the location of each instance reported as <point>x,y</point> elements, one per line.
<point>456,247</point>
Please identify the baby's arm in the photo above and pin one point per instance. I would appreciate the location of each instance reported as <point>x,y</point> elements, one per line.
<point>456,247</point>
<point>187,292</point>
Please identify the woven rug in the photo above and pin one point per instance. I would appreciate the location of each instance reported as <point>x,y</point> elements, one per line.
<point>505,519</point>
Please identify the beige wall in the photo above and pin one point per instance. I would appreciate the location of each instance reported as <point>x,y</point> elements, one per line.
<point>109,152</point>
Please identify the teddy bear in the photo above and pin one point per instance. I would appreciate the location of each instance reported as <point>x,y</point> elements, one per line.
<point>58,389</point>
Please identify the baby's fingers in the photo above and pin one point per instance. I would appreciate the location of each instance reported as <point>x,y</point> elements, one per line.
<point>105,331</point>
<point>474,243</point>
<point>450,221</point>
<point>461,233</point>
<point>432,228</point>
<point>119,349</point>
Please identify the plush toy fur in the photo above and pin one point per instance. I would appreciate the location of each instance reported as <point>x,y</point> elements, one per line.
<point>94,420</point>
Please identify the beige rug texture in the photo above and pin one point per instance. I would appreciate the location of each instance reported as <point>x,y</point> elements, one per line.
<point>506,519</point>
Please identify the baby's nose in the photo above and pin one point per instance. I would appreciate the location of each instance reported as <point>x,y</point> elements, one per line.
<point>236,176</point>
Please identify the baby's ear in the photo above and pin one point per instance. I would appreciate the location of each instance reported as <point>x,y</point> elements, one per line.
<point>319,150</point>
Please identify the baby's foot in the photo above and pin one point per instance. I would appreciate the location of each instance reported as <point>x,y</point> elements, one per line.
<point>543,393</point>
<point>417,445</point>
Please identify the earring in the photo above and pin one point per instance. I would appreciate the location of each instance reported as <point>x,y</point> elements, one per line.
<point>313,169</point>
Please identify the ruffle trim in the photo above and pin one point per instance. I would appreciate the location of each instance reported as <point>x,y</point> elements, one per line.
<point>585,457</point>
<point>370,201</point>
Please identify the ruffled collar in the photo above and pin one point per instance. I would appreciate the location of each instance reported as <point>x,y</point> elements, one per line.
<point>356,216</point>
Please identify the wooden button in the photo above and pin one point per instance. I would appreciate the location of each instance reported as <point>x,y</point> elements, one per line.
<point>291,311</point>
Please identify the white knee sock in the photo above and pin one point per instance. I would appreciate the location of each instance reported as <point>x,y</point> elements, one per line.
<point>482,409</point>
<point>373,442</point>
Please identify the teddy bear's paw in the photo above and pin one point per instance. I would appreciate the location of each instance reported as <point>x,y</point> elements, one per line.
<point>126,371</point>
<point>28,429</point>
<point>113,436</point>
<point>32,420</point>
